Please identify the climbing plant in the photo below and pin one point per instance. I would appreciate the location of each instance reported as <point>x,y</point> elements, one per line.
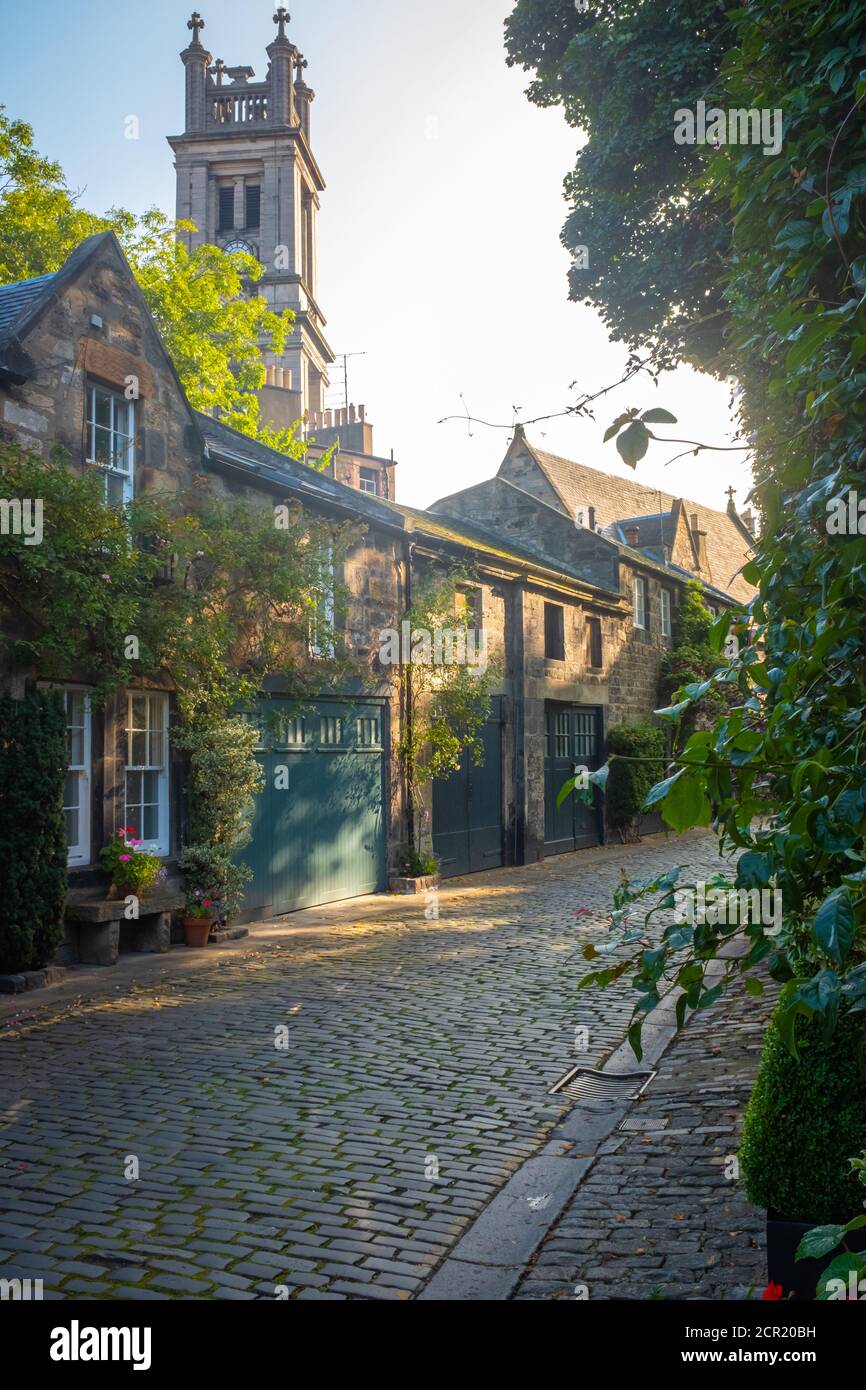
<point>211,595</point>
<point>786,296</point>
<point>446,676</point>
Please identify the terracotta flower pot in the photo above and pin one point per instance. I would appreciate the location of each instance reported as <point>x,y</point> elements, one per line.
<point>122,890</point>
<point>196,930</point>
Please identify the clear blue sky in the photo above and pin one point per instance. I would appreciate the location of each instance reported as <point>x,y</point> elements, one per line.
<point>439,231</point>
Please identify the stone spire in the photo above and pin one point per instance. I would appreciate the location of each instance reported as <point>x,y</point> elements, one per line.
<point>282,54</point>
<point>304,95</point>
<point>196,60</point>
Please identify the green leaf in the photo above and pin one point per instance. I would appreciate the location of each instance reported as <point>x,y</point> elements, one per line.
<point>657,416</point>
<point>685,804</point>
<point>633,443</point>
<point>616,426</point>
<point>661,789</point>
<point>754,986</point>
<point>819,1242</point>
<point>754,870</point>
<point>809,339</point>
<point>565,791</point>
<point>833,927</point>
<point>840,1268</point>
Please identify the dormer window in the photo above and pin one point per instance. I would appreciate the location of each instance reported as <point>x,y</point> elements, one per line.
<point>369,481</point>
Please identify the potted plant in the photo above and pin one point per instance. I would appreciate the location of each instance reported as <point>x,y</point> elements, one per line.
<point>416,872</point>
<point>133,872</point>
<point>200,913</point>
<point>806,1116</point>
<point>844,1279</point>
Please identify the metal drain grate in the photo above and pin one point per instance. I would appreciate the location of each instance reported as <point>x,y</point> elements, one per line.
<point>641,1125</point>
<point>582,1083</point>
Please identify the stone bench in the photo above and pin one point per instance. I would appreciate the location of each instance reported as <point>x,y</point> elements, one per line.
<point>93,926</point>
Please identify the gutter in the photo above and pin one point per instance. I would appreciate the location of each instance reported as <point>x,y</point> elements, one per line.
<point>222,460</point>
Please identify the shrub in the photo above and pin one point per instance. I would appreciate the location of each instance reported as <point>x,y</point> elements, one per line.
<point>33,766</point>
<point>224,778</point>
<point>413,864</point>
<point>628,782</point>
<point>804,1121</point>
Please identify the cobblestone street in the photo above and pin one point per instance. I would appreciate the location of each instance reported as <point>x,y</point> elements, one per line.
<point>410,1044</point>
<point>660,1214</point>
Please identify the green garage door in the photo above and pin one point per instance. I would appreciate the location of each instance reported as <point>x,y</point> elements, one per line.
<point>573,738</point>
<point>318,829</point>
<point>467,808</point>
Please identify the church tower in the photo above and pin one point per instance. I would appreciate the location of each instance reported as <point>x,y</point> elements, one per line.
<point>247,178</point>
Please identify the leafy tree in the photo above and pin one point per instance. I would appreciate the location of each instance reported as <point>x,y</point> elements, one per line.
<point>787,290</point>
<point>656,238</point>
<point>40,221</point>
<point>215,330</point>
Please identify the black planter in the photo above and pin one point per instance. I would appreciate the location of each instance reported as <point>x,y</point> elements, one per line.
<point>799,1277</point>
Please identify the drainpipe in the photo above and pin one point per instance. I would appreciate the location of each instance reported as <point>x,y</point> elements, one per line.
<point>407,712</point>
<point>519,716</point>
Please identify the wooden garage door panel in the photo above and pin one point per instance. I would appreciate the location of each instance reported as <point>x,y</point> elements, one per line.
<point>467,809</point>
<point>321,838</point>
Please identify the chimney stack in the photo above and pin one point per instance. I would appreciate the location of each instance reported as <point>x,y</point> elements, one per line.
<point>632,535</point>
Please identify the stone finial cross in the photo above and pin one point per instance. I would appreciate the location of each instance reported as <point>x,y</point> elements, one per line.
<point>730,494</point>
<point>282,17</point>
<point>196,24</point>
<point>300,65</point>
<point>218,69</point>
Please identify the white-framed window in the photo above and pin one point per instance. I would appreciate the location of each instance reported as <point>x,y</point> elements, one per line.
<point>712,610</point>
<point>639,594</point>
<point>369,481</point>
<point>76,791</point>
<point>145,810</point>
<point>111,441</point>
<point>665,602</point>
<point>322,619</point>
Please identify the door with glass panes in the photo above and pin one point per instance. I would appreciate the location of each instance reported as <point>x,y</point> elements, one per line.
<point>573,739</point>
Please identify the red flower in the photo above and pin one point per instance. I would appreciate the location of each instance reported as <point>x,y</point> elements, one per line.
<point>773,1292</point>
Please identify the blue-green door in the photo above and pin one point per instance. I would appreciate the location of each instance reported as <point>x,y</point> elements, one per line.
<point>467,807</point>
<point>318,832</point>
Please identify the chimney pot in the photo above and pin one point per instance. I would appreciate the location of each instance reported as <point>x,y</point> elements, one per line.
<point>632,535</point>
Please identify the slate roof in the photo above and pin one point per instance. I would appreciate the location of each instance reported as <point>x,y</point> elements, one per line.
<point>17,299</point>
<point>494,545</point>
<point>577,485</point>
<point>280,470</point>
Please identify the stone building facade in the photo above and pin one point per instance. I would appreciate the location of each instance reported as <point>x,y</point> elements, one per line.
<point>84,371</point>
<point>578,602</point>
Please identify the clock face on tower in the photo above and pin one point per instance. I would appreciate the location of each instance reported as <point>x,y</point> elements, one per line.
<point>232,246</point>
